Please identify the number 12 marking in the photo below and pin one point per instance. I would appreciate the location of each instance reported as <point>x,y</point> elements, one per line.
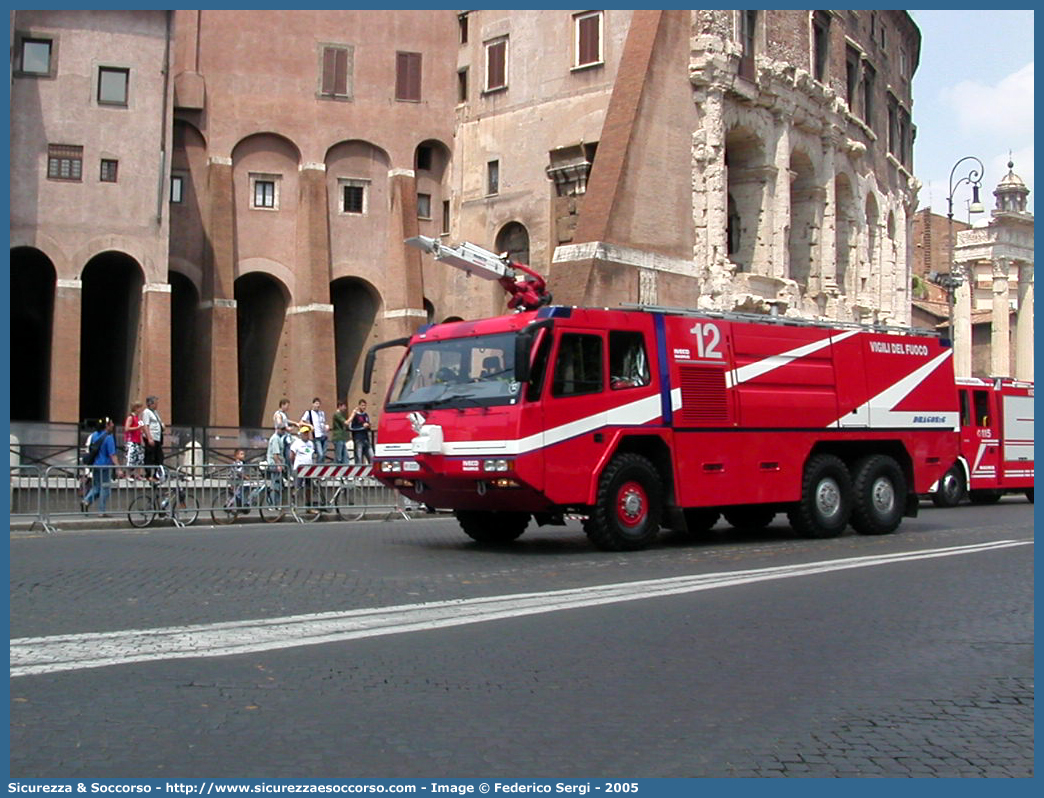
<point>708,337</point>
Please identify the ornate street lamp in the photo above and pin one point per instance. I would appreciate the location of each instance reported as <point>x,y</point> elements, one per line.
<point>956,276</point>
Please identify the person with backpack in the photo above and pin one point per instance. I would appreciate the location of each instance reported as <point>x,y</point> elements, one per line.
<point>101,456</point>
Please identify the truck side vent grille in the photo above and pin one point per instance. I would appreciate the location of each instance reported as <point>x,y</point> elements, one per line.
<point>704,400</point>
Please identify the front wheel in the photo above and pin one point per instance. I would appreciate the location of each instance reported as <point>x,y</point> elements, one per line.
<point>826,498</point>
<point>951,488</point>
<point>879,493</point>
<point>629,505</point>
<point>270,505</point>
<point>141,511</point>
<point>186,509</point>
<point>350,502</point>
<point>223,506</point>
<point>984,496</point>
<point>491,526</point>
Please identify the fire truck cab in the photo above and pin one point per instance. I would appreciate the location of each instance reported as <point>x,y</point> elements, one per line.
<point>996,443</point>
<point>641,417</point>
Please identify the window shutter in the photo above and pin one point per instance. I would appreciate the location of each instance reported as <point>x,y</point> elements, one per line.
<point>335,71</point>
<point>408,76</point>
<point>588,40</point>
<point>495,62</point>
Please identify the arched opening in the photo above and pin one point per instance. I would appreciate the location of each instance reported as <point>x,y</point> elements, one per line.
<point>32,313</point>
<point>513,239</point>
<point>806,202</point>
<point>747,182</point>
<point>429,311</point>
<point>110,319</point>
<point>260,312</point>
<point>355,312</point>
<point>845,229</point>
<point>185,394</point>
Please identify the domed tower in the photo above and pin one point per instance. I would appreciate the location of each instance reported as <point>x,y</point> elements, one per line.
<point>999,261</point>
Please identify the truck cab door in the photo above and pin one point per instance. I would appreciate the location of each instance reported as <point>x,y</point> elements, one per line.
<point>978,439</point>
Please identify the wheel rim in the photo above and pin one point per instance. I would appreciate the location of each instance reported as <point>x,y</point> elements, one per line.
<point>949,485</point>
<point>632,504</point>
<point>882,494</point>
<point>828,498</point>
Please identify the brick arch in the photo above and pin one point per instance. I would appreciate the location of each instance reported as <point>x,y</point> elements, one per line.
<point>32,286</point>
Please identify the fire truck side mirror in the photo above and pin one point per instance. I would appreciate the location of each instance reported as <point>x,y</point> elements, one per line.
<point>524,349</point>
<point>371,359</point>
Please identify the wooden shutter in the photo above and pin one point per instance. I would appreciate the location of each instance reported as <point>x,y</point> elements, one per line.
<point>587,40</point>
<point>496,60</point>
<point>335,71</point>
<point>408,76</point>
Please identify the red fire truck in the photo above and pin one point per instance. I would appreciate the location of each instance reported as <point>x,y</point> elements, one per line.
<point>645,417</point>
<point>996,443</point>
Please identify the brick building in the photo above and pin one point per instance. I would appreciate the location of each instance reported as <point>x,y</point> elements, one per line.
<point>194,220</point>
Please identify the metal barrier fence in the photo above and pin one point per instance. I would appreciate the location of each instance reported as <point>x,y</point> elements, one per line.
<point>200,494</point>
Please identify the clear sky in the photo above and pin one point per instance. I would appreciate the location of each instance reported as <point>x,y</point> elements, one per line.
<point>972,95</point>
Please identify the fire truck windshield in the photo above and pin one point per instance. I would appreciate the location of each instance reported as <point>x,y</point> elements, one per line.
<point>457,372</point>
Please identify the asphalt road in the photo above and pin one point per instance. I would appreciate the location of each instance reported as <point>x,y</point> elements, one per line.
<point>748,655</point>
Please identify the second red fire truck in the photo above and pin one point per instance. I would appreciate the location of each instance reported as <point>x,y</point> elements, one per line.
<point>645,417</point>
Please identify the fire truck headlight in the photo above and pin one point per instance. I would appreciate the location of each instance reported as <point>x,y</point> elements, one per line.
<point>496,465</point>
<point>391,466</point>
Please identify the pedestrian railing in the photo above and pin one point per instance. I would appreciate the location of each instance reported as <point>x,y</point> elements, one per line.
<point>201,494</point>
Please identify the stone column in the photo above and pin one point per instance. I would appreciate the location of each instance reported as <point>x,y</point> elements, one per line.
<point>1000,352</point>
<point>962,344</point>
<point>824,276</point>
<point>218,328</point>
<point>777,211</point>
<point>153,371</point>
<point>64,393</point>
<point>1024,324</point>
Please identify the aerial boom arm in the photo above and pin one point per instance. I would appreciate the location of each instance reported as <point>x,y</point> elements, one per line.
<point>527,289</point>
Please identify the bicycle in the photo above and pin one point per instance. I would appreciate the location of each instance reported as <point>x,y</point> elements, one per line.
<point>347,499</point>
<point>172,501</point>
<point>239,497</point>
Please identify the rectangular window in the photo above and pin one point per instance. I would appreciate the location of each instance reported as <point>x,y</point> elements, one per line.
<point>493,177</point>
<point>578,367</point>
<point>422,160</point>
<point>445,218</point>
<point>64,162</point>
<point>587,39</point>
<point>748,40</point>
<point>424,206</point>
<point>177,188</point>
<point>462,27</point>
<point>264,191</point>
<point>496,65</point>
<point>869,78</point>
<point>462,85</point>
<point>353,196</point>
<point>112,85</point>
<point>851,77</point>
<point>628,363</point>
<point>408,77</point>
<point>108,170</point>
<point>36,57</point>
<point>820,45</point>
<point>335,67</point>
<point>893,126</point>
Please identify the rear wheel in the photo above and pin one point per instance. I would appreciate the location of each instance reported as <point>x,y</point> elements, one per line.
<point>951,488</point>
<point>141,511</point>
<point>1029,495</point>
<point>223,506</point>
<point>698,522</point>
<point>754,517</point>
<point>879,495</point>
<point>826,498</point>
<point>492,527</point>
<point>308,501</point>
<point>628,507</point>
<point>349,502</point>
<point>270,505</point>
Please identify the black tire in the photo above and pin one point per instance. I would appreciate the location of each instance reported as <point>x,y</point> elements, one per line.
<point>951,489</point>
<point>629,505</point>
<point>492,527</point>
<point>984,496</point>
<point>186,509</point>
<point>878,495</point>
<point>308,504</point>
<point>752,517</point>
<point>826,498</point>
<point>698,522</point>
<point>223,506</point>
<point>142,511</point>
<point>1029,495</point>
<point>269,506</point>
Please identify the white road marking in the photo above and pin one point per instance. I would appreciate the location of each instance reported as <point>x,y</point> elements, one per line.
<point>36,655</point>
